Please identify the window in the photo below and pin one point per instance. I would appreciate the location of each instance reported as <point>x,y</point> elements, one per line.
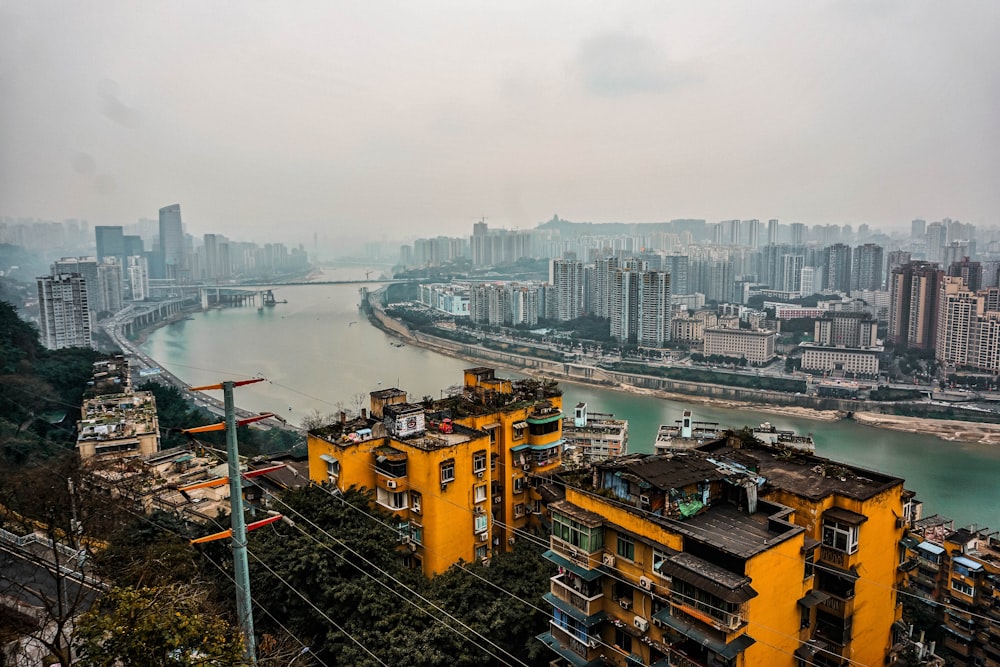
<point>479,493</point>
<point>417,533</point>
<point>479,524</point>
<point>518,485</point>
<point>394,500</point>
<point>810,563</point>
<point>415,501</point>
<point>332,466</point>
<point>805,620</point>
<point>840,536</point>
<point>590,539</point>
<point>623,640</point>
<point>448,471</point>
<point>493,461</point>
<point>962,587</point>
<point>658,558</point>
<point>492,430</point>
<point>518,510</point>
<point>520,430</point>
<point>479,461</point>
<point>626,547</point>
<point>482,552</point>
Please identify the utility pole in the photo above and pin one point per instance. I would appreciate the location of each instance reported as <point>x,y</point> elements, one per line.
<point>241,570</point>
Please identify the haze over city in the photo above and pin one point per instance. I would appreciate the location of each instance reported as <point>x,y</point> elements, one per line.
<point>418,118</point>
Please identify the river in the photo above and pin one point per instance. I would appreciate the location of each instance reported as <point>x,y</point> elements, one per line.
<point>320,355</point>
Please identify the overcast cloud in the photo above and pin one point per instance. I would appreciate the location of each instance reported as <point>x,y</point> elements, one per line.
<point>416,118</point>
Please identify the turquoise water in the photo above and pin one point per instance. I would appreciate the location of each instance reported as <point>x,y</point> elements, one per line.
<point>320,355</point>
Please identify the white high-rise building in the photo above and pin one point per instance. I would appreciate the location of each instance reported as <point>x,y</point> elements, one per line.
<point>566,277</point>
<point>138,278</point>
<point>64,311</point>
<point>655,309</point>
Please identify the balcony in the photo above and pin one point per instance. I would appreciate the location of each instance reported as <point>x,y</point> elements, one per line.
<point>837,558</point>
<point>582,646</point>
<point>575,555</point>
<point>840,606</point>
<point>709,614</point>
<point>589,605</point>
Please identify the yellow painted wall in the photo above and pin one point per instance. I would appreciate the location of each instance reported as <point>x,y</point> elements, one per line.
<point>774,615</point>
<point>875,607</point>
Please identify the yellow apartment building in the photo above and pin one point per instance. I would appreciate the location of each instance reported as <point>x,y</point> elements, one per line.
<point>746,556</point>
<point>457,472</point>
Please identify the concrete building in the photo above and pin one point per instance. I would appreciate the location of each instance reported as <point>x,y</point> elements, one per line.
<point>457,472</point>
<point>733,556</point>
<point>64,315</point>
<point>846,329</point>
<point>566,278</point>
<point>913,298</point>
<point>756,346</point>
<point>654,309</point>
<point>838,266</point>
<point>138,278</point>
<point>172,248</point>
<point>686,329</point>
<point>866,268</point>
<point>114,426</point>
<point>841,361</point>
<point>593,436</point>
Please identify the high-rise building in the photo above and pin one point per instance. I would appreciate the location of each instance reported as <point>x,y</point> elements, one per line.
<point>138,278</point>
<point>957,311</point>
<point>172,243</point>
<point>913,298</point>
<point>866,262</point>
<point>110,243</point>
<point>110,285</point>
<point>64,311</point>
<point>677,266</point>
<point>894,259</point>
<point>772,231</point>
<point>838,267</point>
<point>604,267</point>
<point>798,233</point>
<point>566,278</point>
<point>654,309</point>
<point>624,308</point>
<point>86,267</point>
<point>753,233</point>
<point>970,272</point>
<point>918,230</point>
<point>937,236</point>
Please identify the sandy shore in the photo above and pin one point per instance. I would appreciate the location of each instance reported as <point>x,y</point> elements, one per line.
<point>946,429</point>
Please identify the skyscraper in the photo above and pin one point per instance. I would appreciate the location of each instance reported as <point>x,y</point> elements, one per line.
<point>866,273</point>
<point>567,281</point>
<point>838,267</point>
<point>654,309</point>
<point>913,298</point>
<point>172,243</point>
<point>64,312</point>
<point>772,231</point>
<point>86,267</point>
<point>110,243</point>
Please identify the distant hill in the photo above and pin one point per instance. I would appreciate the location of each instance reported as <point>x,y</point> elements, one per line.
<point>570,229</point>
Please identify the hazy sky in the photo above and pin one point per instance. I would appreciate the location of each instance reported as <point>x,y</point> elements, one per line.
<point>265,119</point>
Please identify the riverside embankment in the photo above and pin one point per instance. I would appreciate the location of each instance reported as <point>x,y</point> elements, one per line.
<point>868,413</point>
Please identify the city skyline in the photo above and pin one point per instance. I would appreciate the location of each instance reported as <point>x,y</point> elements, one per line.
<point>340,118</point>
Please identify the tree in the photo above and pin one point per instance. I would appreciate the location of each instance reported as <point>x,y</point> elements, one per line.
<point>169,626</point>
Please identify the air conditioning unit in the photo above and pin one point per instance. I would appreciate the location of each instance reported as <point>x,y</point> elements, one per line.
<point>413,546</point>
<point>485,562</point>
<point>608,560</point>
<point>644,500</point>
<point>640,623</point>
<point>390,483</point>
<point>405,539</point>
<point>657,622</point>
<point>482,537</point>
<point>625,603</point>
<point>645,583</point>
<point>444,486</point>
<point>496,500</point>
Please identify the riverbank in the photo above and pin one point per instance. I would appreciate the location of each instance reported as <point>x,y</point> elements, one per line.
<point>948,430</point>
